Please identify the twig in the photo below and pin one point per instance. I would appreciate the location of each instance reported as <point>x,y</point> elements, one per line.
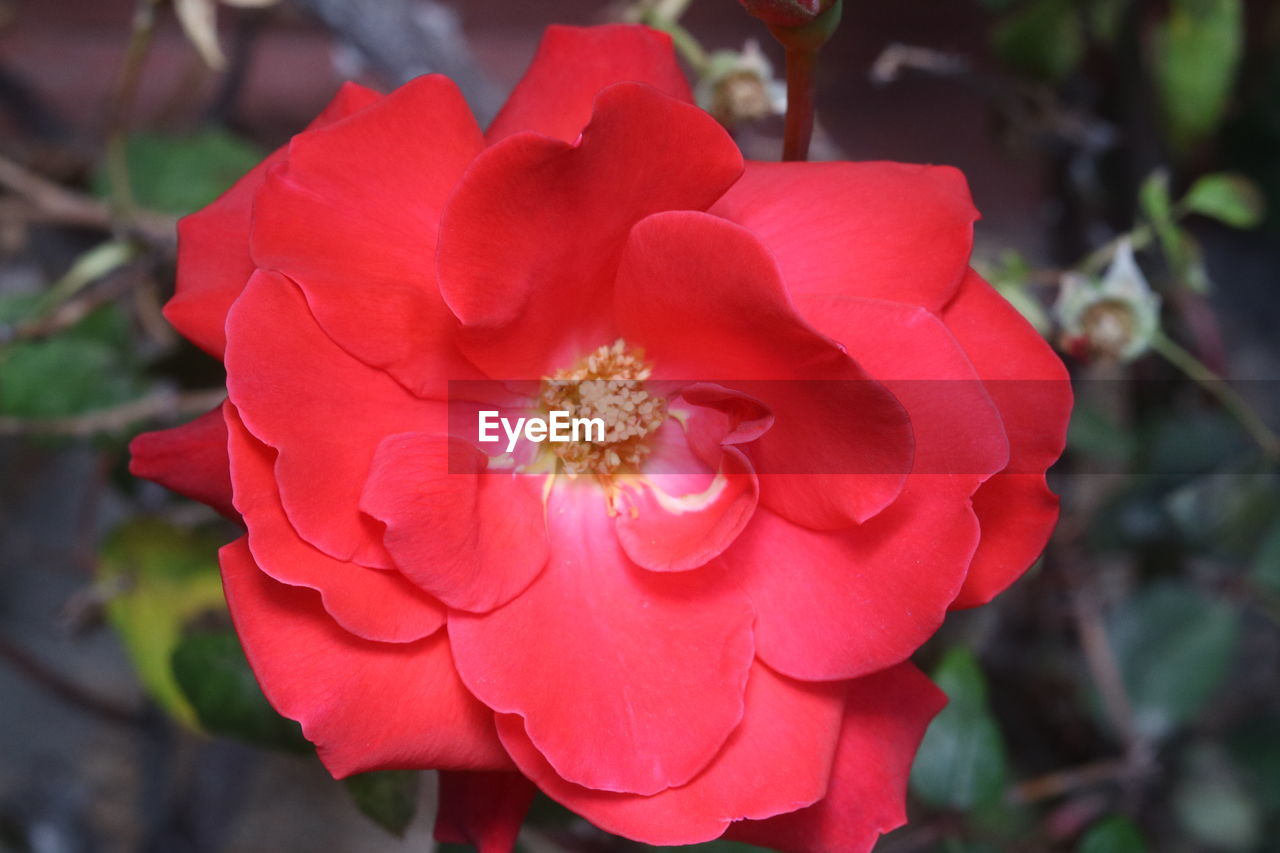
<point>1067,781</point>
<point>1103,666</point>
<point>58,204</point>
<point>74,310</point>
<point>402,39</point>
<point>63,688</point>
<point>160,404</point>
<point>898,58</point>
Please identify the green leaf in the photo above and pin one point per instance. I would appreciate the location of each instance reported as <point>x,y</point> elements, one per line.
<point>1174,646</point>
<point>1226,514</point>
<point>86,367</point>
<point>168,576</point>
<point>1112,835</point>
<point>387,797</point>
<point>1106,17</point>
<point>961,763</point>
<point>1157,206</point>
<point>1153,196</point>
<point>1094,432</point>
<point>1181,251</point>
<point>1229,198</point>
<point>211,670</point>
<point>1042,38</point>
<point>181,174</point>
<point>1212,805</point>
<point>1255,748</point>
<point>1195,54</point>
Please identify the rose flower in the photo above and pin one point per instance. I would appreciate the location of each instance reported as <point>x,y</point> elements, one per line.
<point>824,431</point>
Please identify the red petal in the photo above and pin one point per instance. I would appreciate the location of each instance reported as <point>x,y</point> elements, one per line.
<point>529,244</point>
<point>471,538</point>
<point>482,809</point>
<point>666,532</point>
<point>842,604</point>
<point>366,706</point>
<point>850,603</point>
<point>190,459</point>
<point>704,299</point>
<point>213,243</point>
<point>1032,389</point>
<point>358,233</point>
<point>959,435</point>
<point>573,64</point>
<point>778,760</point>
<point>692,502</point>
<point>884,230</point>
<point>597,645</point>
<point>323,411</point>
<point>370,603</point>
<point>885,718</point>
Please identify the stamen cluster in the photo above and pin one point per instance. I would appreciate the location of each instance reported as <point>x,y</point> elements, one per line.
<point>607,384</point>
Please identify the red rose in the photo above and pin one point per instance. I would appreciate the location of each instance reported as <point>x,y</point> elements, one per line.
<point>720,647</point>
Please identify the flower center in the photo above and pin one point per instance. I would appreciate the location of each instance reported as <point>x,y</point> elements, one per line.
<point>608,384</point>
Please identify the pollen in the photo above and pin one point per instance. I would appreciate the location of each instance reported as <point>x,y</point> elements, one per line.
<point>608,384</point>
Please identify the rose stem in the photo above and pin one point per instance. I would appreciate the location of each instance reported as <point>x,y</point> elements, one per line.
<point>802,62</point>
<point>1203,376</point>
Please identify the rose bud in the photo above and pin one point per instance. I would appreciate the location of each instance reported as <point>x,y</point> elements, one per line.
<point>788,13</point>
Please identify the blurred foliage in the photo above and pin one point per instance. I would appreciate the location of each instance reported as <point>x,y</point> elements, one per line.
<point>210,668</point>
<point>387,797</point>
<point>1175,648</point>
<point>167,577</point>
<point>1195,55</point>
<point>181,174</point>
<point>961,764</point>
<point>1113,835</point>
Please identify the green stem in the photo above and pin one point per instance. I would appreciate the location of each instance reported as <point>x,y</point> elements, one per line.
<point>687,45</point>
<point>671,10</point>
<point>144,20</point>
<point>1097,260</point>
<point>1230,399</point>
<point>802,63</point>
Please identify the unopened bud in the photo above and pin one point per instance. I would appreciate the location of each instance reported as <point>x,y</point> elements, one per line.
<point>787,13</point>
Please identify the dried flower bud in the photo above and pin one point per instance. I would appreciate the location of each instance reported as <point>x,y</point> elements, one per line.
<point>741,86</point>
<point>1115,318</point>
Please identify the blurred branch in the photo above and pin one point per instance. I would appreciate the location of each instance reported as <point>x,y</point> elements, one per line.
<point>898,58</point>
<point>143,28</point>
<point>72,311</point>
<point>1068,781</point>
<point>68,691</point>
<point>1103,666</point>
<point>403,39</point>
<point>58,204</point>
<point>160,404</point>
